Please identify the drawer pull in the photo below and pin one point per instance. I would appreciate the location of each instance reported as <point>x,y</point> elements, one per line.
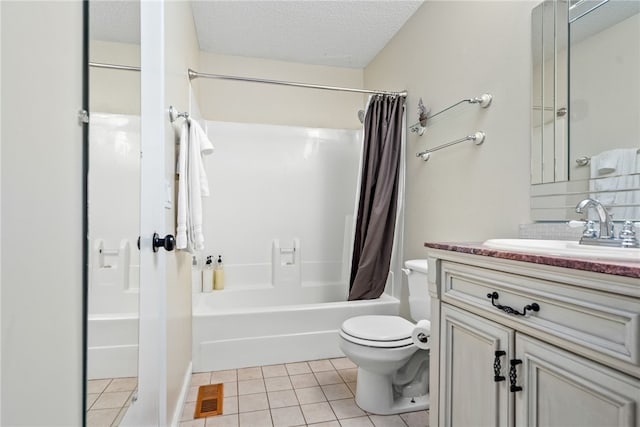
<point>529,307</point>
<point>497,366</point>
<point>513,375</point>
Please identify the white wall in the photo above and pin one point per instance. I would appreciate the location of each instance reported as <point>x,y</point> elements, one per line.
<point>41,213</point>
<point>446,52</point>
<point>280,182</point>
<point>114,214</point>
<point>230,101</point>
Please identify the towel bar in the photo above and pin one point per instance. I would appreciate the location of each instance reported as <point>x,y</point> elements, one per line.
<point>477,138</point>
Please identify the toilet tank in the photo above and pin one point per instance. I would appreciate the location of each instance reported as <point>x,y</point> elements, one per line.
<point>419,299</point>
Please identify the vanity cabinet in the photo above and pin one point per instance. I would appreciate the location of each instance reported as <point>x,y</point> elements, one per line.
<point>573,362</point>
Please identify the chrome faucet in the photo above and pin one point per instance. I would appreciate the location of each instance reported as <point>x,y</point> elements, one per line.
<point>606,221</point>
<point>606,236</point>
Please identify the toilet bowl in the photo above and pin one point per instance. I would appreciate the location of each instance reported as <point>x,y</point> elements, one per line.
<point>393,371</point>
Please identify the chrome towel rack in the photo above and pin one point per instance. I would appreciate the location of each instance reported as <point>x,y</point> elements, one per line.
<point>174,114</point>
<point>477,138</point>
<point>483,100</point>
<point>586,160</point>
<point>583,161</point>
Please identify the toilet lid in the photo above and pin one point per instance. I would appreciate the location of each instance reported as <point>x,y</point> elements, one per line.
<point>378,328</point>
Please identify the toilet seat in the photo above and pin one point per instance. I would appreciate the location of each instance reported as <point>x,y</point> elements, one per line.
<point>378,331</point>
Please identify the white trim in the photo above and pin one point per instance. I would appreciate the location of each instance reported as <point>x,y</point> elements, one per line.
<point>186,382</point>
<point>151,407</point>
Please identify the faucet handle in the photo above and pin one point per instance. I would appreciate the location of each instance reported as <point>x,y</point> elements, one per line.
<point>589,227</point>
<point>628,235</point>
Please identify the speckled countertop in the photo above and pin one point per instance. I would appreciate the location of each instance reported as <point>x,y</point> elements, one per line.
<point>629,269</point>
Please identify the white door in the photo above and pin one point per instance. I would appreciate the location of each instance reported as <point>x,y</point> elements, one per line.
<point>473,352</point>
<point>562,389</point>
<point>150,407</point>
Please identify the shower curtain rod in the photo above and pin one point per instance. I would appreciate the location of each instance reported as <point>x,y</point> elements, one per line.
<point>195,74</point>
<point>113,66</point>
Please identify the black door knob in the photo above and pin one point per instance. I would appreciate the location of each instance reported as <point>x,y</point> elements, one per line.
<point>168,242</point>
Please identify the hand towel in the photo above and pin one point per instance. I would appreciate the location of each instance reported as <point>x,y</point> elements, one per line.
<point>181,170</point>
<point>192,185</point>
<point>198,185</point>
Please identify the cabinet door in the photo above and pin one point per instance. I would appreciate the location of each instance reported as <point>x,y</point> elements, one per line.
<point>562,389</point>
<point>469,393</point>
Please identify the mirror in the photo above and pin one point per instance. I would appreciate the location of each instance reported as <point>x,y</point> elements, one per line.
<point>585,107</point>
<point>113,210</point>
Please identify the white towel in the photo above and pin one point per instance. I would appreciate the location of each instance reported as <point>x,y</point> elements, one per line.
<point>615,182</point>
<point>192,185</point>
<point>181,169</point>
<point>606,162</point>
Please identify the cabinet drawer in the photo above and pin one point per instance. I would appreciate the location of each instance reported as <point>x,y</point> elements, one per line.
<point>578,316</point>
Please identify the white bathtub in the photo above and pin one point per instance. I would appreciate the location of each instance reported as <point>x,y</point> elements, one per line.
<point>112,346</point>
<point>266,325</point>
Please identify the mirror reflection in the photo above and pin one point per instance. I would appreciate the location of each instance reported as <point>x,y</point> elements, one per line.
<point>113,210</point>
<point>549,93</point>
<point>592,67</point>
<point>605,104</point>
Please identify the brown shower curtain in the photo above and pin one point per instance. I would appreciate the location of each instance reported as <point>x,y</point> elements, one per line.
<point>376,216</point>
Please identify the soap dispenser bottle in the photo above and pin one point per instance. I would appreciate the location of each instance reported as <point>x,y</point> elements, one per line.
<point>207,275</point>
<point>218,275</point>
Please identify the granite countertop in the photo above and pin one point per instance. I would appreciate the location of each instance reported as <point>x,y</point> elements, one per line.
<point>619,268</point>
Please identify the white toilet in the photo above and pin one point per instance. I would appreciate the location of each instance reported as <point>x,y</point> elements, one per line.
<point>393,373</point>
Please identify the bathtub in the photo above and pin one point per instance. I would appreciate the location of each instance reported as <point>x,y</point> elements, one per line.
<point>112,348</point>
<point>267,325</point>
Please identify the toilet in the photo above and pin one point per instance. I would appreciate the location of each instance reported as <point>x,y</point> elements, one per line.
<point>393,372</point>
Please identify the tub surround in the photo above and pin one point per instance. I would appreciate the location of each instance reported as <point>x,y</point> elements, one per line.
<point>618,268</point>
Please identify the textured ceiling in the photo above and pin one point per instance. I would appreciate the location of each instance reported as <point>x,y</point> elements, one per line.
<point>343,33</point>
<point>337,33</point>
<point>114,21</point>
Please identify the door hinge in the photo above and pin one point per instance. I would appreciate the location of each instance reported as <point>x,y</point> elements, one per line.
<point>83,117</point>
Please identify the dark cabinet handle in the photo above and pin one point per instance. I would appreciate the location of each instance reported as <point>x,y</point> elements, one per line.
<point>513,375</point>
<point>530,307</point>
<point>497,366</point>
<point>168,242</point>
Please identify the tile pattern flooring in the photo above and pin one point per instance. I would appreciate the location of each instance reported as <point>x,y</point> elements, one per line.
<point>315,393</point>
<point>108,400</point>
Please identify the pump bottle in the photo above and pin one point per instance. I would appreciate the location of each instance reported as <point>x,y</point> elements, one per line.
<point>207,275</point>
<point>218,275</point>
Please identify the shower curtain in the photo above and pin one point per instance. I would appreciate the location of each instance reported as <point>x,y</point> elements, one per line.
<point>378,196</point>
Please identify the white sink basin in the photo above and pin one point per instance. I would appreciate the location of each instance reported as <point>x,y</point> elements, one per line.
<point>564,248</point>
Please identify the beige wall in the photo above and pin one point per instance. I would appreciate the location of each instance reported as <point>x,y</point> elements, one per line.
<point>114,91</point>
<point>181,52</point>
<point>279,105</point>
<point>449,51</point>
<point>119,91</point>
<point>41,214</point>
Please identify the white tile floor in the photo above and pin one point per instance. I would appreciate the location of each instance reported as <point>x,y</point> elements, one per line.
<point>108,400</point>
<point>315,393</point>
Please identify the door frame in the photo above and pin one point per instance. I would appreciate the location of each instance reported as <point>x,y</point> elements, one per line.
<point>150,407</point>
